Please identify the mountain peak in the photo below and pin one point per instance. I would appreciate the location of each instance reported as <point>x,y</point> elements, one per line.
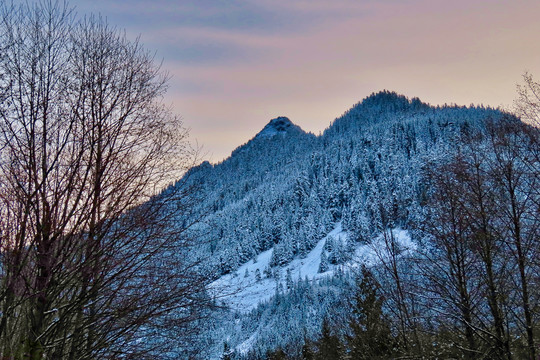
<point>279,125</point>
<point>392,101</point>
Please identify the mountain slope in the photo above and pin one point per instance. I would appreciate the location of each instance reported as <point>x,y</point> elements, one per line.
<point>279,201</point>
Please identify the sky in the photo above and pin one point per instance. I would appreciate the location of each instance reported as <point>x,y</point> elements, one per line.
<point>235,65</point>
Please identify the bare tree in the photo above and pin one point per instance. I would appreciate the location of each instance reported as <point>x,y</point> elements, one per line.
<point>527,105</point>
<point>395,274</point>
<point>449,266</point>
<point>93,261</point>
<point>517,199</point>
<point>481,207</point>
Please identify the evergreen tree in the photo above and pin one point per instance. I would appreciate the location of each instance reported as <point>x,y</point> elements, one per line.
<point>289,280</point>
<point>258,275</point>
<point>307,350</point>
<point>370,336</point>
<point>329,346</point>
<point>227,352</point>
<point>323,267</point>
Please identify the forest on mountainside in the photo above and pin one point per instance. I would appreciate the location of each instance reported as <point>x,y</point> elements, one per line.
<point>470,289</point>
<point>461,181</point>
<point>404,231</point>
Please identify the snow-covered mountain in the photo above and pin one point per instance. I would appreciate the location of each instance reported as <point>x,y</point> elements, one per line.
<point>290,217</point>
<point>278,126</point>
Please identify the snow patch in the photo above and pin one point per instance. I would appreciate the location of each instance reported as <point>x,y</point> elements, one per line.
<point>379,248</point>
<point>245,346</point>
<point>243,293</point>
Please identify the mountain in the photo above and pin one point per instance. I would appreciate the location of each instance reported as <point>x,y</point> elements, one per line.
<point>288,191</point>
<point>278,126</point>
<point>289,218</point>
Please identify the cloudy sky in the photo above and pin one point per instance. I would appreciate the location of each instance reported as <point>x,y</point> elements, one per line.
<point>237,64</point>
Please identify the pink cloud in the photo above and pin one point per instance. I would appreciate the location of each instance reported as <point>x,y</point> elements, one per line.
<point>321,57</point>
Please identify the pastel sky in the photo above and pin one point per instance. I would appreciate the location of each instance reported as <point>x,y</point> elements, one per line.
<point>237,64</point>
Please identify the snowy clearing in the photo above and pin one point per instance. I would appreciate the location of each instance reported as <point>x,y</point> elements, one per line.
<point>241,291</point>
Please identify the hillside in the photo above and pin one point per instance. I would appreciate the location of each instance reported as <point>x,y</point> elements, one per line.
<point>290,218</point>
<point>286,192</point>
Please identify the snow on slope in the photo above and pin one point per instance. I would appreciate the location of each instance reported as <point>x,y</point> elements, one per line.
<point>372,254</point>
<point>243,293</point>
<point>244,347</point>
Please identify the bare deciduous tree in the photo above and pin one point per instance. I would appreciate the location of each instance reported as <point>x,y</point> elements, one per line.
<point>484,226</point>
<point>515,190</point>
<point>93,262</point>
<point>527,105</point>
<point>450,267</point>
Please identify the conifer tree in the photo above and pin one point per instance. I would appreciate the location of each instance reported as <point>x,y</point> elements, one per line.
<point>307,350</point>
<point>227,352</point>
<point>258,275</point>
<point>370,336</point>
<point>329,346</point>
<point>323,266</point>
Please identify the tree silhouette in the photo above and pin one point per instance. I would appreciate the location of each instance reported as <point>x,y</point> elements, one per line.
<point>93,261</point>
<point>370,336</point>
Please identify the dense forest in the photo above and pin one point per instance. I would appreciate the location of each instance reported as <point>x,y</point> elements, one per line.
<point>403,231</point>
<point>461,181</point>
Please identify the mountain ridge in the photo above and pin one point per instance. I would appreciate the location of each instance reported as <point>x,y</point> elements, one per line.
<point>361,113</point>
<point>284,191</point>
